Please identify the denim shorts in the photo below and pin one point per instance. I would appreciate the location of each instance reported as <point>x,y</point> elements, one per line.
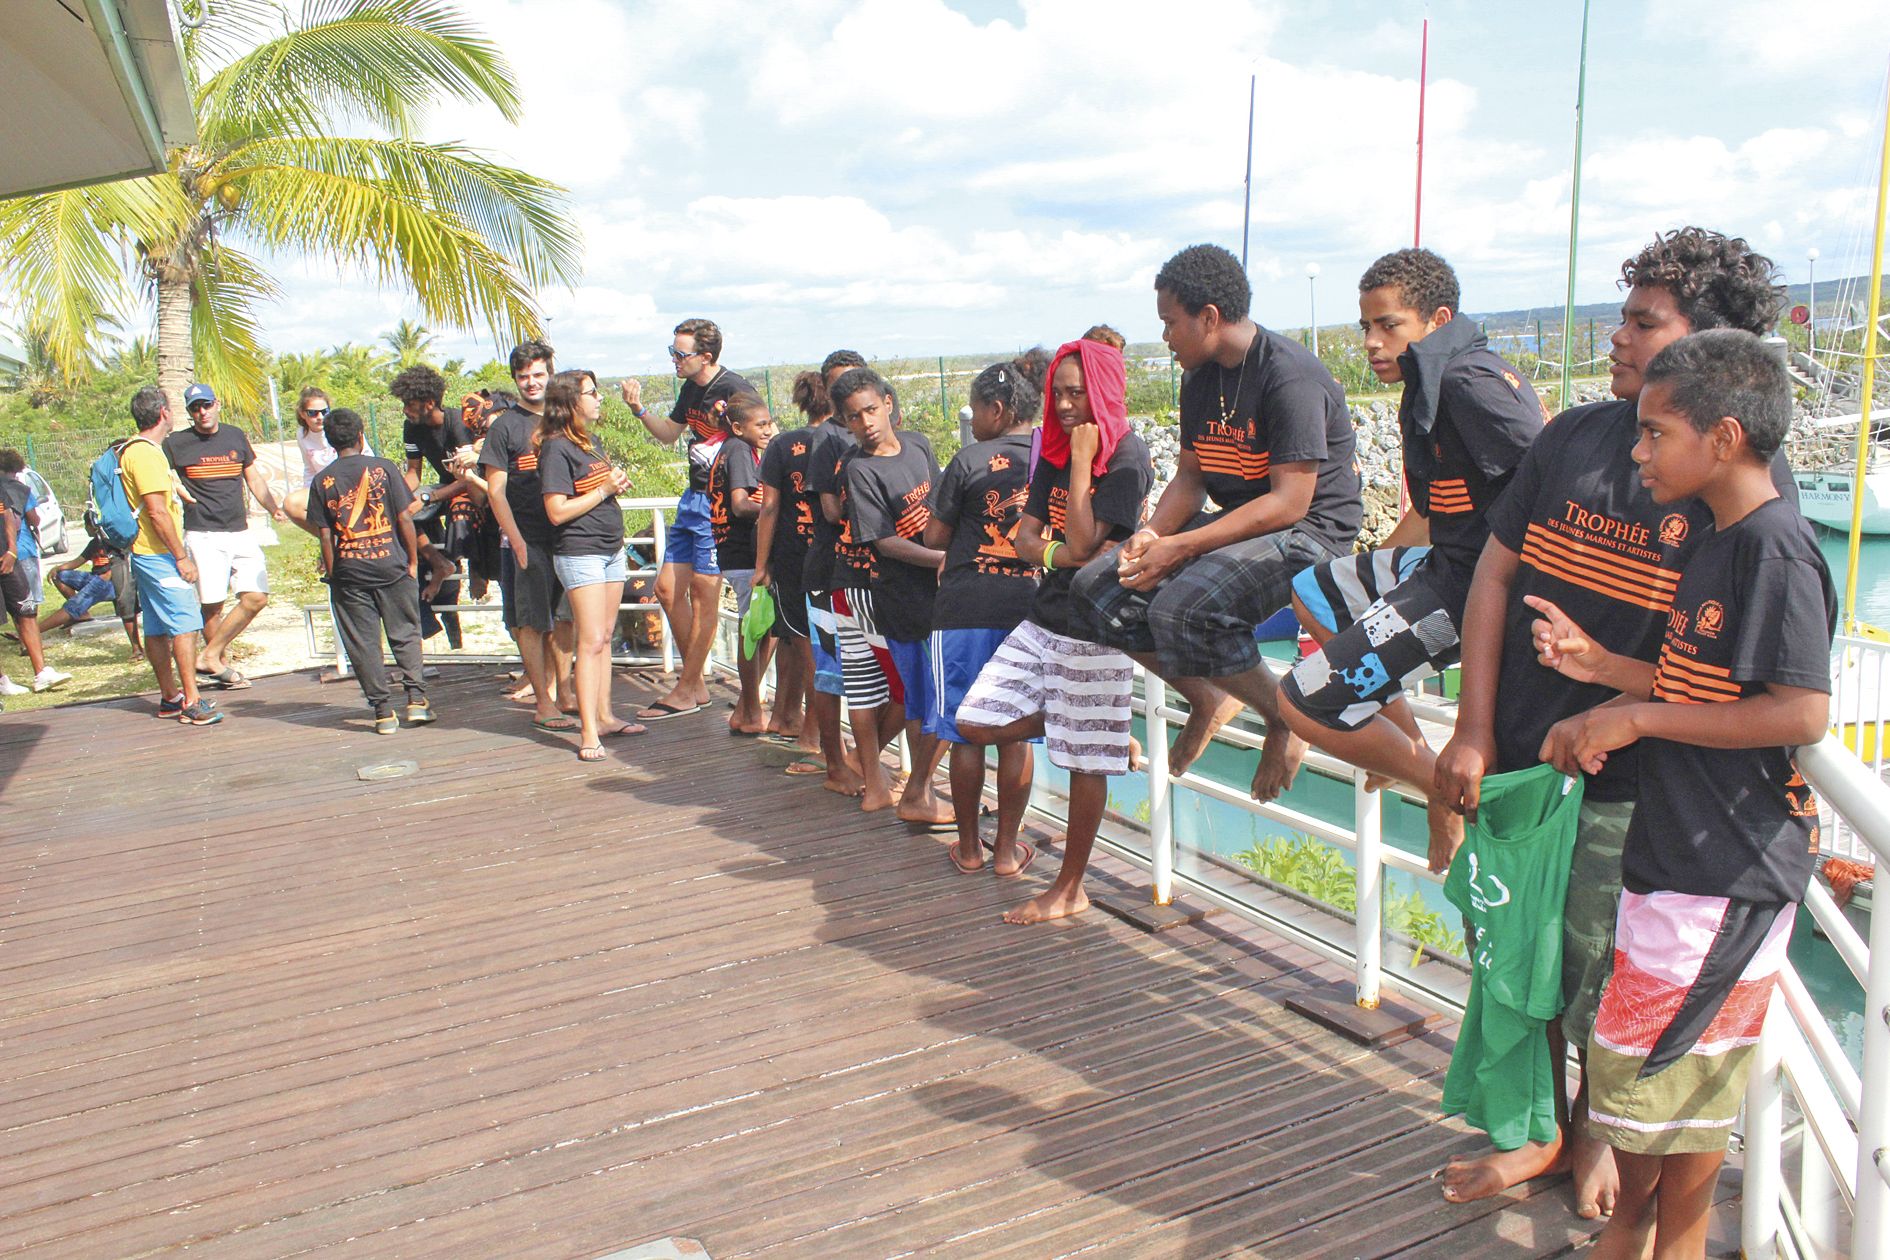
<point>689,540</point>
<point>576,571</point>
<point>88,588</point>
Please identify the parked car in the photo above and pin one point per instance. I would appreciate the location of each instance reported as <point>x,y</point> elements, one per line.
<point>52,519</point>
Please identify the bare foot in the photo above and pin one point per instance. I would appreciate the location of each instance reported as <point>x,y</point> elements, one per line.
<point>966,865</point>
<point>1198,731</point>
<point>845,784</point>
<point>1136,759</point>
<point>1279,763</point>
<point>924,813</point>
<point>1054,904</point>
<point>1466,1180</point>
<point>1373,782</point>
<point>1015,861</point>
<point>1597,1180</point>
<point>873,801</point>
<point>1446,827</point>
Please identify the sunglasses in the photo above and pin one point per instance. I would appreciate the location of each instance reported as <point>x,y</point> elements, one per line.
<point>316,413</point>
<point>680,355</point>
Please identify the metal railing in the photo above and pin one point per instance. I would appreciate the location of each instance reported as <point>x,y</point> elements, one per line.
<point>1835,1197</point>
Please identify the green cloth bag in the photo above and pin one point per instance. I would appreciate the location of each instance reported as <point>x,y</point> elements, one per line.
<point>757,621</point>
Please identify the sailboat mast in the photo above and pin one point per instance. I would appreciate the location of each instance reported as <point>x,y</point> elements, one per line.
<point>1423,75</point>
<point>1869,381</point>
<point>1574,219</point>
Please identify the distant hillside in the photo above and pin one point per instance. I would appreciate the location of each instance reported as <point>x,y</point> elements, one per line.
<point>1605,313</point>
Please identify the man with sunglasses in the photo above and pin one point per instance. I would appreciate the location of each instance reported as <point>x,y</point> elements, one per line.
<point>214,461</point>
<point>690,585</point>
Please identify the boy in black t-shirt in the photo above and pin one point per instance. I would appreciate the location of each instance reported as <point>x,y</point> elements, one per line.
<point>1086,493</point>
<point>735,499</point>
<point>1578,528</point>
<point>890,577</point>
<point>432,437</point>
<point>1712,873</point>
<point>783,533</point>
<point>689,587</point>
<point>1387,619</point>
<point>370,559</point>
<point>985,589</point>
<point>1265,437</point>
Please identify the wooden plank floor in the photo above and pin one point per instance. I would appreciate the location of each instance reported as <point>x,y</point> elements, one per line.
<point>518,1006</point>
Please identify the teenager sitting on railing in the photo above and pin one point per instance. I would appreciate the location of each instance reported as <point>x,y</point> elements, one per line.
<point>1577,527</point>
<point>1711,877</point>
<point>1389,618</point>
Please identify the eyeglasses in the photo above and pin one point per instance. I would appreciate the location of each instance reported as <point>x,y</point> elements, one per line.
<point>589,393</point>
<point>316,413</point>
<point>680,355</point>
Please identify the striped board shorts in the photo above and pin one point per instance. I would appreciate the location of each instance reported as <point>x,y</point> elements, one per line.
<point>1083,690</point>
<point>1673,1040</point>
<point>866,663</point>
<point>1338,592</point>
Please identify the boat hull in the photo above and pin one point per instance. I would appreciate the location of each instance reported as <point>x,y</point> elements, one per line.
<point>1825,497</point>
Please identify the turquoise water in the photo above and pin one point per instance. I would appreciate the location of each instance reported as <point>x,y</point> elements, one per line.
<point>1873,573</point>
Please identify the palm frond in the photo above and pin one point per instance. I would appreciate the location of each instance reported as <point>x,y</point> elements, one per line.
<point>58,253</point>
<point>474,239</point>
<point>382,61</point>
<point>225,336</point>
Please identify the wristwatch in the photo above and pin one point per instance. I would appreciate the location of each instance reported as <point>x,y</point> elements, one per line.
<point>425,496</point>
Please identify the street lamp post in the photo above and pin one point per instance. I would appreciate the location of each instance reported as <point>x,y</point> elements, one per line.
<point>1811,322</point>
<point>1312,304</point>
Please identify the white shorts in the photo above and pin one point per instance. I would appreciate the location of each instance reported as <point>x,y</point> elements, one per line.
<point>1084,691</point>
<point>227,564</point>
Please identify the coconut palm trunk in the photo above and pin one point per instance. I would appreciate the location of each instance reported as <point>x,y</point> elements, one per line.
<point>176,363</point>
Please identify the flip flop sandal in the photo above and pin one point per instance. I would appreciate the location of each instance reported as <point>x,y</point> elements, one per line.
<point>1030,855</point>
<point>556,726</point>
<point>951,854</point>
<point>807,766</point>
<point>660,712</point>
<point>228,679</point>
<point>591,752</point>
<point>626,729</point>
<point>775,737</point>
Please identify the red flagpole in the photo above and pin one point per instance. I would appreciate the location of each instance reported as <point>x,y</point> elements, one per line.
<point>1424,63</point>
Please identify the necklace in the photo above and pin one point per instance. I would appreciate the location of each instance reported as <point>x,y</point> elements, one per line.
<point>1227,412</point>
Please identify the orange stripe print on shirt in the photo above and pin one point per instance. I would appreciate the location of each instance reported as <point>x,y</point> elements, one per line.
<point>599,475</point>
<point>1600,570</point>
<point>1451,497</point>
<point>1684,681</point>
<point>1231,461</point>
<point>202,472</point>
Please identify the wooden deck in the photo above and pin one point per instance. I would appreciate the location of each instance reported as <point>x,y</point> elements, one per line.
<point>516,1006</point>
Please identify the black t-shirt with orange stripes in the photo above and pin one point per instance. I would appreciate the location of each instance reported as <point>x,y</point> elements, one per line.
<point>1755,606</point>
<point>1280,406</point>
<point>1592,540</point>
<point>1483,418</point>
<point>508,445</point>
<point>736,467</point>
<point>566,468</point>
<point>211,466</point>
<point>888,496</point>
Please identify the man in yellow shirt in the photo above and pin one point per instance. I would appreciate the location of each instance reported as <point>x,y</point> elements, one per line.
<point>162,567</point>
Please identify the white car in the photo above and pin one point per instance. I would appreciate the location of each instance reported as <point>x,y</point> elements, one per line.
<point>52,519</point>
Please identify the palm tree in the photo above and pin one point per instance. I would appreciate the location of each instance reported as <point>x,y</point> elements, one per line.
<point>409,342</point>
<point>135,359</point>
<point>273,171</point>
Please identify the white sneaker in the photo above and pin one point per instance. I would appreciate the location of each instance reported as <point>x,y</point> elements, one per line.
<point>48,678</point>
<point>10,688</point>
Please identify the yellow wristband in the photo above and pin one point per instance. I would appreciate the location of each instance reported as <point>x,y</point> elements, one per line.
<point>1050,554</point>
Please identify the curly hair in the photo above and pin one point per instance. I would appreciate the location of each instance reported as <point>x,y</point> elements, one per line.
<point>1016,386</point>
<point>841,359</point>
<point>1727,372</point>
<point>708,337</point>
<point>1201,276</point>
<point>856,379</point>
<point>1105,335</point>
<point>1717,281</point>
<point>810,395</point>
<point>1424,281</point>
<point>420,383</point>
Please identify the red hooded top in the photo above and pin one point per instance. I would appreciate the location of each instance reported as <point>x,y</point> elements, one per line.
<point>1107,382</point>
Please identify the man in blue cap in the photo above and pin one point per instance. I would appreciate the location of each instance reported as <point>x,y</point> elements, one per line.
<point>213,461</point>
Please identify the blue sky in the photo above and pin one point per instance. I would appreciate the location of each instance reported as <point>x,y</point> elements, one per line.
<point>918,176</point>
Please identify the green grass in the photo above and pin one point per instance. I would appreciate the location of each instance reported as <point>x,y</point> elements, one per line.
<point>100,665</point>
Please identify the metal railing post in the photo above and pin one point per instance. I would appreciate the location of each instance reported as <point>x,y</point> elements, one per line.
<point>1817,1198</point>
<point>1161,822</point>
<point>659,529</point>
<point>1871,1231</point>
<point>1368,920</point>
<point>1765,1142</point>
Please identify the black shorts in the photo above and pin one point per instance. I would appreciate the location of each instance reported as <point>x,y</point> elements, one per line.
<point>125,586</point>
<point>16,589</point>
<point>532,596</point>
<point>790,603</point>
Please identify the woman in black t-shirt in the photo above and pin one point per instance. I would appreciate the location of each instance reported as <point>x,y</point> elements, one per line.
<point>984,590</point>
<point>581,488</point>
